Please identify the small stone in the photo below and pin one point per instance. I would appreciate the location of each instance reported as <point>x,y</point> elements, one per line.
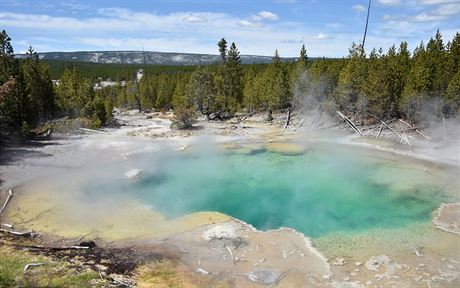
<point>357,264</point>
<point>101,267</point>
<point>339,261</point>
<point>346,279</point>
<point>354,274</point>
<point>421,265</point>
<point>90,262</point>
<point>374,263</point>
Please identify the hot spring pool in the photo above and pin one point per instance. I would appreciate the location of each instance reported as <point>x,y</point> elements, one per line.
<point>318,192</point>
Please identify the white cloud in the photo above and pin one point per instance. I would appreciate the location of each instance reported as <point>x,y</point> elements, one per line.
<point>250,24</point>
<point>438,14</point>
<point>389,2</point>
<point>74,6</point>
<point>197,32</point>
<point>448,10</point>
<point>319,36</point>
<point>432,2</point>
<point>195,18</point>
<point>359,8</point>
<point>269,15</point>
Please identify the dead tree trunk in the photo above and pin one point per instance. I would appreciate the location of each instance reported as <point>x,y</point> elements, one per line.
<point>288,120</point>
<point>416,130</point>
<point>352,125</point>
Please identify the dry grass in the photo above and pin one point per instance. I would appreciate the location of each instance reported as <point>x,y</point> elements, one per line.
<point>169,274</point>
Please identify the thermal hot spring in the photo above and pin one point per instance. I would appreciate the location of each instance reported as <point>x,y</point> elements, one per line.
<point>328,189</point>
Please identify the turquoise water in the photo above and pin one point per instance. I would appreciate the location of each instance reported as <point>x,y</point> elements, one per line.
<point>315,193</point>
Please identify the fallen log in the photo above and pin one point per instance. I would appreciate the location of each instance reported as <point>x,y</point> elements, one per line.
<point>10,194</point>
<point>352,125</point>
<point>30,234</point>
<point>50,248</point>
<point>404,139</point>
<point>91,130</point>
<point>414,128</point>
<point>9,226</point>
<point>380,131</point>
<point>288,118</point>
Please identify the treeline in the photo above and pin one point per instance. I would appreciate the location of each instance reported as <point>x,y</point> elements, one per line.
<point>395,83</point>
<point>114,72</point>
<point>28,96</point>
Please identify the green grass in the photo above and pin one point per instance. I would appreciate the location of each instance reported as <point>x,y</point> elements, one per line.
<point>52,274</point>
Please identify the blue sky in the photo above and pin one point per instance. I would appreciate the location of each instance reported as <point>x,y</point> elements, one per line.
<point>327,28</point>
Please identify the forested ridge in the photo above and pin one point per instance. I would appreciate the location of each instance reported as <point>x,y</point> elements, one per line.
<point>382,84</point>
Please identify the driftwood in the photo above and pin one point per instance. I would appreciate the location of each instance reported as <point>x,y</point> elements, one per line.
<point>32,265</point>
<point>30,234</point>
<point>415,128</point>
<point>52,248</point>
<point>380,131</point>
<point>352,125</point>
<point>91,130</point>
<point>9,226</point>
<point>403,138</point>
<point>247,116</point>
<point>288,118</point>
<point>10,194</point>
<point>125,284</point>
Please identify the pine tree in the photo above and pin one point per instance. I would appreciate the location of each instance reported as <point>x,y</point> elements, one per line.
<point>201,90</point>
<point>351,81</point>
<point>15,108</point>
<point>6,57</point>
<point>148,91</point>
<point>452,97</point>
<point>278,92</point>
<point>183,106</point>
<point>300,79</point>
<point>303,58</point>
<point>74,93</point>
<point>233,81</point>
<point>222,44</point>
<point>39,87</point>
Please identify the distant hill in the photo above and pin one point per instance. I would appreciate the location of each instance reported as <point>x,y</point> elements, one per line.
<point>137,57</point>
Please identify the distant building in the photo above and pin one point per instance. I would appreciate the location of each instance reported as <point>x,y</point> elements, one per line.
<point>139,74</point>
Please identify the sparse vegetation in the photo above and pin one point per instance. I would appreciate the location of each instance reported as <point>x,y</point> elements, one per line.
<point>52,274</point>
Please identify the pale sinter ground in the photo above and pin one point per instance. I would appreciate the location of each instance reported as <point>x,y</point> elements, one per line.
<point>214,244</point>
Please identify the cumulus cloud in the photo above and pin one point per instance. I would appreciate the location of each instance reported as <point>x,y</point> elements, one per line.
<point>319,36</point>
<point>389,2</point>
<point>359,8</point>
<point>269,15</point>
<point>197,32</point>
<point>439,13</point>
<point>433,2</point>
<point>250,24</point>
<point>195,18</point>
